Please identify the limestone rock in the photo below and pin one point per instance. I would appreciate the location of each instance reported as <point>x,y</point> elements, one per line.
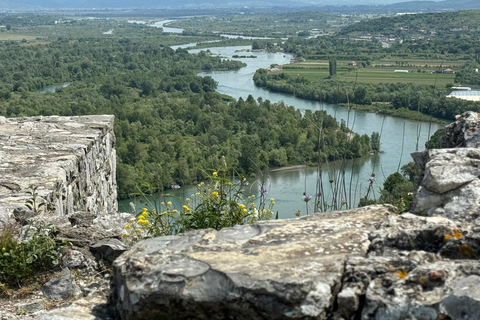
<point>91,308</point>
<point>463,133</point>
<point>277,269</point>
<point>421,296</point>
<point>109,249</point>
<point>30,307</point>
<point>76,259</point>
<point>61,288</point>
<point>451,184</point>
<point>364,263</point>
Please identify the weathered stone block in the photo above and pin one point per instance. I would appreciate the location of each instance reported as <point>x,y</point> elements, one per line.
<point>284,269</point>
<point>71,160</point>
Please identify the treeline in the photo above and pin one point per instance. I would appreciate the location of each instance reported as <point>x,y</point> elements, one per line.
<point>422,98</point>
<point>326,47</point>
<point>171,125</point>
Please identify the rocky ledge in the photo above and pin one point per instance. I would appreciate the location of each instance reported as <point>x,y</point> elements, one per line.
<point>365,263</point>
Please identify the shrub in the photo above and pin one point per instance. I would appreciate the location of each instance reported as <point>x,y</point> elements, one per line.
<point>218,203</point>
<point>22,260</point>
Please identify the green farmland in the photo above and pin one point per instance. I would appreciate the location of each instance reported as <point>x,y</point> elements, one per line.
<point>418,73</point>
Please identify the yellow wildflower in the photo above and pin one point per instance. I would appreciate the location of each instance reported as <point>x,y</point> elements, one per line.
<point>455,234</point>
<point>131,220</point>
<point>138,230</point>
<point>244,210</point>
<point>215,193</point>
<point>169,203</point>
<point>197,194</point>
<point>174,210</point>
<point>186,208</point>
<point>125,235</point>
<point>162,203</point>
<point>242,205</point>
<point>402,274</point>
<point>187,199</point>
<point>3,249</point>
<point>215,174</point>
<point>127,226</point>
<point>144,209</point>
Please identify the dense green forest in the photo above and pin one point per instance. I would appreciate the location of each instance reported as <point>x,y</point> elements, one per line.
<point>172,127</point>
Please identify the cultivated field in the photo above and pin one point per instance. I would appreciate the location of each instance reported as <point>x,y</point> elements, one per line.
<point>419,71</point>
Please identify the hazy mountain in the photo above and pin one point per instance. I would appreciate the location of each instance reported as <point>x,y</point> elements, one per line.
<point>435,6</point>
<point>161,4</point>
<point>344,6</point>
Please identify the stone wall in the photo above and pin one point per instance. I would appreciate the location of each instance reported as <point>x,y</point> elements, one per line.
<point>71,161</point>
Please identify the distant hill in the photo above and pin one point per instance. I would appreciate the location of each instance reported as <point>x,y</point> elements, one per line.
<point>169,4</point>
<point>430,6</point>
<point>441,21</point>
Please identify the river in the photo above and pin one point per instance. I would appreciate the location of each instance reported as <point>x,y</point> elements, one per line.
<point>399,137</point>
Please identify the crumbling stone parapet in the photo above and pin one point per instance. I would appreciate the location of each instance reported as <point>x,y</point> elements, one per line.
<point>71,161</point>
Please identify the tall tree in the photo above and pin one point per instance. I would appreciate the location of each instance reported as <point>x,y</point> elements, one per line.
<point>332,67</point>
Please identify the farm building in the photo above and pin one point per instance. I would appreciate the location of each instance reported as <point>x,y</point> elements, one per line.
<point>447,71</point>
<point>470,95</point>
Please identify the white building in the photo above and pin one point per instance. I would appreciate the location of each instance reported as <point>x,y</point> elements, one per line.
<point>470,95</point>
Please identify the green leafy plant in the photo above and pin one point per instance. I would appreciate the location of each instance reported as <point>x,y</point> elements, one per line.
<point>33,204</point>
<point>22,260</point>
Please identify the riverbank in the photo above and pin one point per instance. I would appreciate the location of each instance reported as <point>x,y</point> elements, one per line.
<point>294,167</point>
<point>387,110</point>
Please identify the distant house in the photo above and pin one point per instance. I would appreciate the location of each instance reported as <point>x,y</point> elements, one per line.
<point>352,63</point>
<point>447,71</point>
<point>400,71</point>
